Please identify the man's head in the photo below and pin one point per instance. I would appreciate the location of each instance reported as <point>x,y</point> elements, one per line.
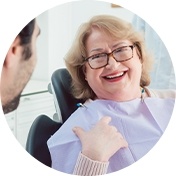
<point>18,66</point>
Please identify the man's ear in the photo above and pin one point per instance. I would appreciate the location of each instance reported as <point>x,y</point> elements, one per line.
<point>14,53</point>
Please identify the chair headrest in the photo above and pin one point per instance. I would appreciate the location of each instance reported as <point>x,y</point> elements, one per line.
<point>61,82</point>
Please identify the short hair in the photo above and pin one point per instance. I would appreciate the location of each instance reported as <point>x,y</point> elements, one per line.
<point>114,27</point>
<point>25,36</point>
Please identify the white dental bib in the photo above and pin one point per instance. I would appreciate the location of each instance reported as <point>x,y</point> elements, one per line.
<point>140,123</point>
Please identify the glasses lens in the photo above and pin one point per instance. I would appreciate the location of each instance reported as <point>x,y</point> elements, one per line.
<point>120,54</point>
<point>123,53</point>
<point>98,60</point>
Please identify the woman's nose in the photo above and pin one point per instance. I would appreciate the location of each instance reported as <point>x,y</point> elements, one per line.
<point>112,63</point>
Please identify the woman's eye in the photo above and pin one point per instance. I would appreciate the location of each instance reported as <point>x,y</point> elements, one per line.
<point>96,57</point>
<point>121,49</point>
<point>99,56</point>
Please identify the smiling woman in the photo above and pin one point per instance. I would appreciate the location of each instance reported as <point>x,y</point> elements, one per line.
<point>109,65</point>
<point>107,36</point>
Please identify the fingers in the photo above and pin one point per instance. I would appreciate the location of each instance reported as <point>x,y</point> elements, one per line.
<point>101,128</point>
<point>105,122</point>
<point>125,144</point>
<point>123,141</point>
<point>78,131</point>
<point>105,119</point>
<point>113,130</point>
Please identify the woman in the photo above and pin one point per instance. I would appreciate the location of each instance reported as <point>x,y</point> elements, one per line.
<point>121,117</point>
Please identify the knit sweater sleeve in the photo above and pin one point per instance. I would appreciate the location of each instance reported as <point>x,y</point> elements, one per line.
<point>87,167</point>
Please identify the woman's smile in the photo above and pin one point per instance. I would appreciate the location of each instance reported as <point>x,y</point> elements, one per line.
<point>114,77</point>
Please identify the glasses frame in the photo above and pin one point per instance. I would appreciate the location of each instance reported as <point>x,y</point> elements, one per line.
<point>110,54</point>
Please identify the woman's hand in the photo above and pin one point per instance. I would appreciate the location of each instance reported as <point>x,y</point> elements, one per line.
<point>101,142</point>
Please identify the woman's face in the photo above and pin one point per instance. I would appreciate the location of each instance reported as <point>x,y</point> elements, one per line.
<point>118,80</point>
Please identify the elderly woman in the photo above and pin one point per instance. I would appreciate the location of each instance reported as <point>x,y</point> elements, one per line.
<point>121,119</point>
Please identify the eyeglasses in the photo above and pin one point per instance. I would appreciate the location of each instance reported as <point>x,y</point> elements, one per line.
<point>121,54</point>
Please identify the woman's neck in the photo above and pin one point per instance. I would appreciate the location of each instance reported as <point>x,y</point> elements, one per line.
<point>125,95</point>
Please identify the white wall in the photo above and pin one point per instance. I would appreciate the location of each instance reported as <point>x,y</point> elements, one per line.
<point>41,71</point>
<point>58,27</point>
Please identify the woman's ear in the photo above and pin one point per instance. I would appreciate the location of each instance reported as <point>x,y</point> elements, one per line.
<point>14,53</point>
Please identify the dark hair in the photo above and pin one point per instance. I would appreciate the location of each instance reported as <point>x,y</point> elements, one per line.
<point>26,33</point>
<point>25,36</point>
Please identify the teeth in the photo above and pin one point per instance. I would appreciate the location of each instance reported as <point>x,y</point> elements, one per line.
<point>114,76</point>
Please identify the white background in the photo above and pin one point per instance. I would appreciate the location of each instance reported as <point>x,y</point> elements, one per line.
<point>58,29</point>
<point>15,14</point>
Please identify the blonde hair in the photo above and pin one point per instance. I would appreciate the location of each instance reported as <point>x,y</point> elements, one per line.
<point>115,27</point>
